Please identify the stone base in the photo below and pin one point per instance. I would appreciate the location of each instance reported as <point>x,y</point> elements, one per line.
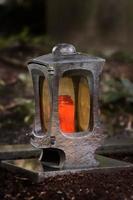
<point>33,169</point>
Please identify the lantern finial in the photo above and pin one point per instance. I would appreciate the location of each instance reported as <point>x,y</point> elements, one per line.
<point>63,49</point>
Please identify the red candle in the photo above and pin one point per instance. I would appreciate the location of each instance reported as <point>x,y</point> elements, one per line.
<point>66,114</point>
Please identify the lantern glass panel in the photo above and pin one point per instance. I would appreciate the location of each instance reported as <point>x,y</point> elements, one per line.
<point>83,105</point>
<point>74,103</point>
<point>45,103</point>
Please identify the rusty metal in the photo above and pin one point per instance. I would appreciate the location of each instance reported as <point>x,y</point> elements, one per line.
<point>80,147</point>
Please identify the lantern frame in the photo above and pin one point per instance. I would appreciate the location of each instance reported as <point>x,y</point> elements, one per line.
<point>64,59</point>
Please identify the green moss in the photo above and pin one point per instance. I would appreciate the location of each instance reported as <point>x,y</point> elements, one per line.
<point>122,56</point>
<point>24,37</point>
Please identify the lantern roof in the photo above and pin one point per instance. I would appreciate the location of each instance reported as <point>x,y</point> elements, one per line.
<point>65,53</point>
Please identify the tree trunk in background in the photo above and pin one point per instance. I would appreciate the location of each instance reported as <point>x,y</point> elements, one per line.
<point>129,23</point>
<point>91,22</point>
<point>65,17</point>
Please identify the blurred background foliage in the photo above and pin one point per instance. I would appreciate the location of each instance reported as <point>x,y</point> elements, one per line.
<point>31,28</point>
<point>87,24</point>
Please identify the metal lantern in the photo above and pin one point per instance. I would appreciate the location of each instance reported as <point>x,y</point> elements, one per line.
<point>67,126</point>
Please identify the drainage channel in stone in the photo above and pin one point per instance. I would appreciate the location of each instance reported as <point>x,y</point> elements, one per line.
<point>52,158</point>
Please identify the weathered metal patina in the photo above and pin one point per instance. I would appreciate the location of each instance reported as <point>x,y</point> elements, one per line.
<point>72,150</point>
<point>67,128</point>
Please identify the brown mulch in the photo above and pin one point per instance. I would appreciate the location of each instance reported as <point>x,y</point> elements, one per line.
<point>119,70</point>
<point>113,186</point>
<point>7,73</point>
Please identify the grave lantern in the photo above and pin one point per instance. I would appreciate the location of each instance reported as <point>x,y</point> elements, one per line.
<point>67,124</point>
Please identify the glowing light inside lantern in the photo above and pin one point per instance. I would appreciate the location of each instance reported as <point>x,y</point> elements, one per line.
<point>74,104</point>
<point>66,105</point>
<point>66,113</point>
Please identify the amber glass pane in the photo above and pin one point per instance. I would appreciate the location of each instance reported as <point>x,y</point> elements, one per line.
<point>45,104</point>
<point>74,104</point>
<point>66,105</point>
<point>83,105</point>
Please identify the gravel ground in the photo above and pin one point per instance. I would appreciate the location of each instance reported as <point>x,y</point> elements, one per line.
<point>113,186</point>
